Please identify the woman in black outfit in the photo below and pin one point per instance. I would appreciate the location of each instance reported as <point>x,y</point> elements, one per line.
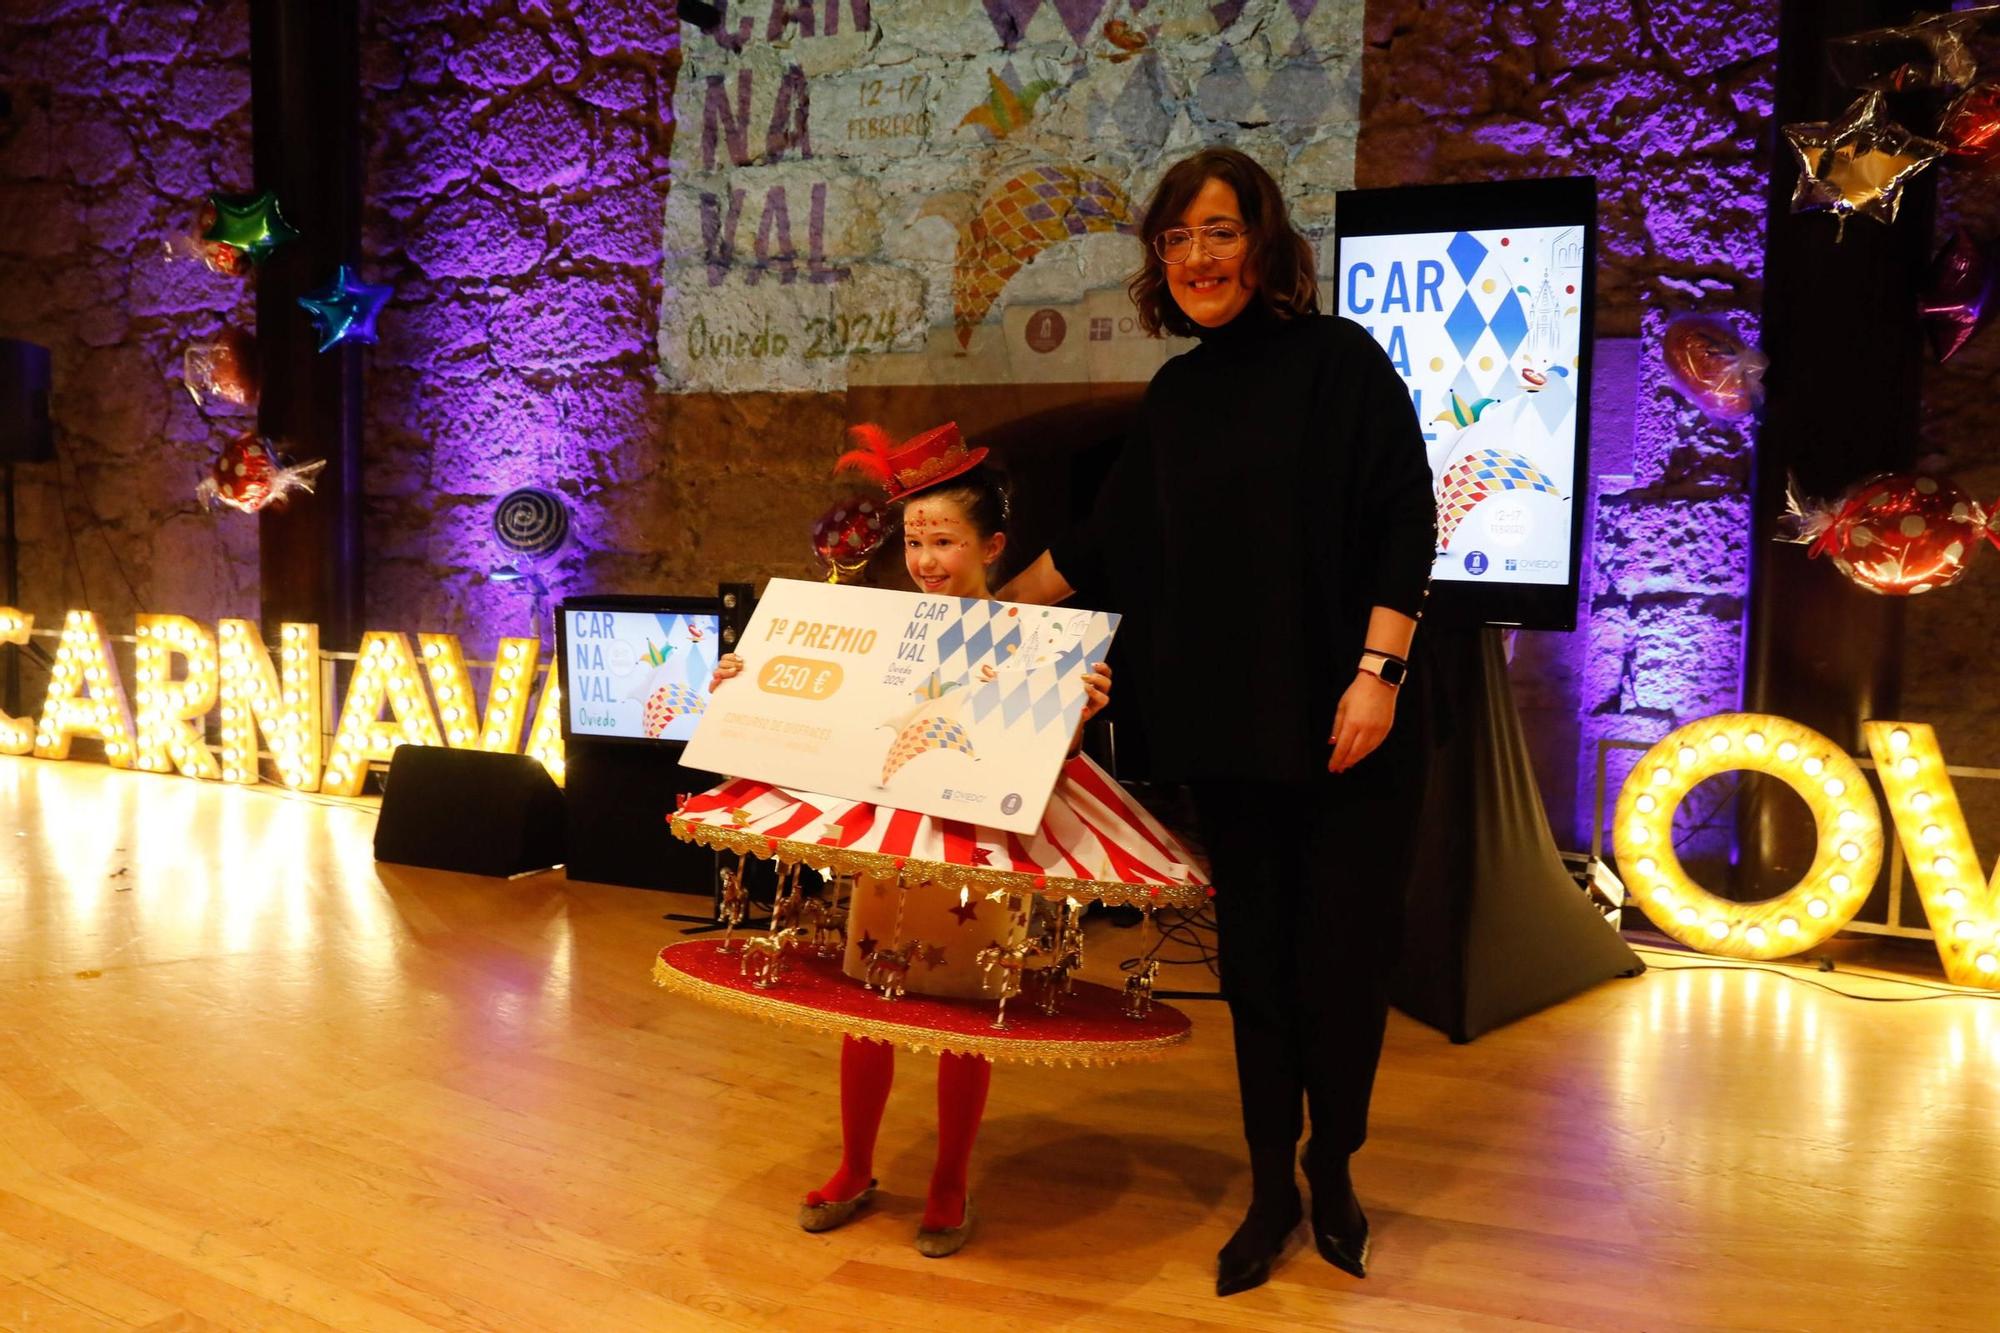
<point>1274,499</point>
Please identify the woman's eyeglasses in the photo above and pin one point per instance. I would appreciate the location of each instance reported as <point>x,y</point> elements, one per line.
<point>1221,240</point>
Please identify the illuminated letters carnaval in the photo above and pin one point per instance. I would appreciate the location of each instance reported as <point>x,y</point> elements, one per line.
<point>278,703</point>
<point>1963,907</point>
<point>275,703</point>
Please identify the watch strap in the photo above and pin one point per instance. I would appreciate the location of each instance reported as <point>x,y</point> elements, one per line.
<point>1390,670</point>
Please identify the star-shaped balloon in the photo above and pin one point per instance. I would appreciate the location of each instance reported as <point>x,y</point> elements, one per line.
<point>249,223</point>
<point>1857,164</point>
<point>345,309</point>
<point>1957,301</point>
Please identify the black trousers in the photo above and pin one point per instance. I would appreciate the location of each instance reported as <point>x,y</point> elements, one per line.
<point>1309,879</point>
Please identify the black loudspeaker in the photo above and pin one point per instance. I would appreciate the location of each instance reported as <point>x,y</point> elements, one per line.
<point>25,375</point>
<point>737,600</point>
<point>484,814</point>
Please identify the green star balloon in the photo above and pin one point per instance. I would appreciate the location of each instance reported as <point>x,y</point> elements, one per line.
<point>250,223</point>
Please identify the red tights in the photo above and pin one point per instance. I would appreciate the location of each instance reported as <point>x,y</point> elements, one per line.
<point>866,1070</point>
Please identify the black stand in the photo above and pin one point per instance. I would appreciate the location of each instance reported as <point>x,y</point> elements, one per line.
<point>1496,928</point>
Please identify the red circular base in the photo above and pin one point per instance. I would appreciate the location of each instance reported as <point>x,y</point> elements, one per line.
<point>1092,1028</point>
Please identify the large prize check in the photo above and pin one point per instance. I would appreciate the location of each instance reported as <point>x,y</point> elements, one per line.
<point>949,706</point>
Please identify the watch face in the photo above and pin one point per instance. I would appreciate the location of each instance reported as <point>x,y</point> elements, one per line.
<point>1392,673</point>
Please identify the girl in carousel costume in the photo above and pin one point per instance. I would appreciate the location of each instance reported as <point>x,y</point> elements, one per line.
<point>919,927</point>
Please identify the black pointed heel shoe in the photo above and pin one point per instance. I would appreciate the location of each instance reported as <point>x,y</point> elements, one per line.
<point>1335,1211</point>
<point>1245,1262</point>
<point>1347,1253</point>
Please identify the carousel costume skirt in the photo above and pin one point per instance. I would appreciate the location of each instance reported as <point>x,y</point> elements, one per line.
<point>1094,843</point>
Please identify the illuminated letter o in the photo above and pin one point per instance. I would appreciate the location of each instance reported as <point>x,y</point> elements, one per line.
<point>1845,815</point>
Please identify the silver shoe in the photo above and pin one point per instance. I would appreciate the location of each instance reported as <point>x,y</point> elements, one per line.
<point>834,1212</point>
<point>939,1242</point>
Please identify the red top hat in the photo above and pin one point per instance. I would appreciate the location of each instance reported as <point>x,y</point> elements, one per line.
<point>923,461</point>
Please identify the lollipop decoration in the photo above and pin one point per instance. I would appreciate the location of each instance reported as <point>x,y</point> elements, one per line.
<point>531,522</point>
<point>249,224</point>
<point>345,309</point>
<point>1708,361</point>
<point>1895,533</point>
<point>249,475</point>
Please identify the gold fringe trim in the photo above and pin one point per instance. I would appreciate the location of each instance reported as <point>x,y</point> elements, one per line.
<point>974,879</point>
<point>922,1040</point>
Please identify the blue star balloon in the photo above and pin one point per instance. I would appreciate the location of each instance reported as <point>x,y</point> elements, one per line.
<point>345,309</point>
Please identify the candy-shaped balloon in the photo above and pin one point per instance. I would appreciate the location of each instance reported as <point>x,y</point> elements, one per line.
<point>216,256</point>
<point>249,474</point>
<point>1970,130</point>
<point>1897,534</point>
<point>845,536</point>
<point>1958,295</point>
<point>1857,164</point>
<point>1929,54</point>
<point>1707,360</point>
<point>223,377</point>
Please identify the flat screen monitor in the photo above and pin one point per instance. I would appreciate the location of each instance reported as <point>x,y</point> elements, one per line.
<point>636,668</point>
<point>1482,297</point>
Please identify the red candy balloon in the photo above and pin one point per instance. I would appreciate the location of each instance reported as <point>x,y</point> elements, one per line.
<point>1709,362</point>
<point>248,475</point>
<point>846,535</point>
<point>1971,128</point>
<point>1898,534</point>
<point>220,258</point>
<point>224,376</point>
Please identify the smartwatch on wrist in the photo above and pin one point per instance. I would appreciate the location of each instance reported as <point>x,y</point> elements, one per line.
<point>1389,670</point>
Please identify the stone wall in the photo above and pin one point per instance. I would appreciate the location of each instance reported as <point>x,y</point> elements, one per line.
<point>1951,635</point>
<point>516,182</point>
<point>1669,107</point>
<point>122,116</point>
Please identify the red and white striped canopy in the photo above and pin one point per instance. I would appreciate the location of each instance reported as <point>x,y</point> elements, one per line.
<point>1094,841</point>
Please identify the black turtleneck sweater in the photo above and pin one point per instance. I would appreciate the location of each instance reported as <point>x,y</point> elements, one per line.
<point>1273,491</point>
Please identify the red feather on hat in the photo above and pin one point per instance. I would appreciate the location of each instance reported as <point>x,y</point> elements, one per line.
<point>871,460</point>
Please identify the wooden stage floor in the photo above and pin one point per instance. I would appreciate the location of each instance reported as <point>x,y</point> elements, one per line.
<point>249,1079</point>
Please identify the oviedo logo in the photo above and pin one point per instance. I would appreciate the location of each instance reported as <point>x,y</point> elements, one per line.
<point>1962,906</point>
